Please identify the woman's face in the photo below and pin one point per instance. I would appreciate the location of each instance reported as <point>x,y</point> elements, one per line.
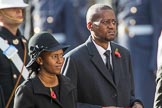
<point>51,62</point>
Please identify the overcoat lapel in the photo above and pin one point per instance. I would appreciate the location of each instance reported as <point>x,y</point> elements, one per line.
<point>117,67</point>
<point>65,88</point>
<point>98,62</point>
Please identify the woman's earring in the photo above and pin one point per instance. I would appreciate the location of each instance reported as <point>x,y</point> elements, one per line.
<point>41,63</point>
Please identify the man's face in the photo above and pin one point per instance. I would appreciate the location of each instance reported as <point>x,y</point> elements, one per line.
<point>104,28</point>
<point>12,16</point>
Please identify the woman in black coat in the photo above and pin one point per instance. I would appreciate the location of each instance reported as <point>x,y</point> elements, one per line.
<point>47,88</point>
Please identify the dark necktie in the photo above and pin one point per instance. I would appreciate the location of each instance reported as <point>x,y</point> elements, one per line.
<point>108,65</point>
<point>107,54</point>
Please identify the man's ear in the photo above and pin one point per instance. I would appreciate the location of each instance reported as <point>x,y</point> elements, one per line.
<point>0,16</point>
<point>89,25</point>
<point>92,26</point>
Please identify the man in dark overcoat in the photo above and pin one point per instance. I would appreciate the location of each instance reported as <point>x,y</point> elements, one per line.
<point>102,81</point>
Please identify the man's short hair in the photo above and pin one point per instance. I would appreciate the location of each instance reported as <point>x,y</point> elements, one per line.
<point>93,11</point>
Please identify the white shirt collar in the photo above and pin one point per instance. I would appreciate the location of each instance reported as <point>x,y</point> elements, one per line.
<point>100,49</point>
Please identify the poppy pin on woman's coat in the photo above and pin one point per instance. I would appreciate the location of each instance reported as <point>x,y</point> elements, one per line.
<point>53,95</point>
